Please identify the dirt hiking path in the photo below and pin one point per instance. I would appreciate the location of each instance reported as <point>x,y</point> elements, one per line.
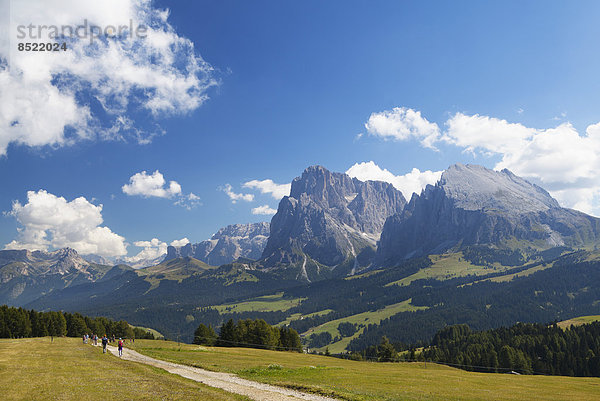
<point>226,381</point>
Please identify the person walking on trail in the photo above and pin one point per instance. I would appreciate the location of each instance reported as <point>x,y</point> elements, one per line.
<point>104,344</point>
<point>120,347</point>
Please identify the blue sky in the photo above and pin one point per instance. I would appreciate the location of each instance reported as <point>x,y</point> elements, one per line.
<point>501,84</point>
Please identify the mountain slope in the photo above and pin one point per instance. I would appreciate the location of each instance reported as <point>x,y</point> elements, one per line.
<point>26,275</point>
<point>472,205</point>
<point>328,220</point>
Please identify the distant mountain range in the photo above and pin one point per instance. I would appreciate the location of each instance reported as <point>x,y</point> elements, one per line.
<point>334,225</point>
<point>27,275</point>
<point>340,247</point>
<point>228,244</point>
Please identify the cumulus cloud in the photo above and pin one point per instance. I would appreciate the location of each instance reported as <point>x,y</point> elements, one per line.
<point>402,124</point>
<point>48,221</point>
<point>152,249</point>
<point>46,97</point>
<point>264,209</point>
<point>180,242</point>
<point>153,185</point>
<point>277,191</point>
<point>487,134</point>
<point>228,189</point>
<point>559,159</point>
<point>408,183</point>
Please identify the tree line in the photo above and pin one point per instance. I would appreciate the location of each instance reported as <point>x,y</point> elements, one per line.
<point>20,323</point>
<point>250,334</point>
<point>524,348</point>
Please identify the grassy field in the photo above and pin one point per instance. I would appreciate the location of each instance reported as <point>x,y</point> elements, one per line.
<point>363,275</point>
<point>578,321</point>
<point>36,369</point>
<point>358,381</point>
<point>448,266</point>
<point>174,269</point>
<point>365,318</point>
<point>156,333</point>
<point>524,273</point>
<point>300,316</point>
<point>268,303</point>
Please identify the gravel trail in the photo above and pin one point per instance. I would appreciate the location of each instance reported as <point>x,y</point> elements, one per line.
<point>226,381</point>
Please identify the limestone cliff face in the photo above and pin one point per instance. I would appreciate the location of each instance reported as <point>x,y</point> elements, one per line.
<point>227,245</point>
<point>329,218</point>
<point>474,205</point>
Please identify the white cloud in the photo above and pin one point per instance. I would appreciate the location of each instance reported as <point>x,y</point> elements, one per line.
<point>486,133</point>
<point>188,201</point>
<point>401,124</point>
<point>277,191</point>
<point>408,183</point>
<point>151,186</point>
<point>180,242</point>
<point>235,196</point>
<point>559,159</point>
<point>45,95</point>
<point>264,209</point>
<point>49,221</point>
<point>152,249</point>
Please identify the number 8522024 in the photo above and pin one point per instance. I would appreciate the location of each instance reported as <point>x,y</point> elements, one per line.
<point>41,47</point>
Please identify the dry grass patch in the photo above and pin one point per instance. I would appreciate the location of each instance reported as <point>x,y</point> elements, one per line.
<point>36,369</point>
<point>359,381</point>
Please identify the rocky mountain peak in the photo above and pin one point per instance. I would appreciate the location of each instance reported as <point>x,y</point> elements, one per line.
<point>242,230</point>
<point>63,261</point>
<point>226,245</point>
<point>473,205</point>
<point>322,186</point>
<point>474,187</point>
<point>25,273</point>
<point>330,218</point>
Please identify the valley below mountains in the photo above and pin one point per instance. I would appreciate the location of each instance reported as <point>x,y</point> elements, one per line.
<point>345,262</point>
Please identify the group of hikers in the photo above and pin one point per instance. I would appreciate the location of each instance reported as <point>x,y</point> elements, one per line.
<point>105,340</point>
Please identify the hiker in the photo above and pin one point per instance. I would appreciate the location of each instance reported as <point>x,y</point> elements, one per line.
<point>104,344</point>
<point>120,347</point>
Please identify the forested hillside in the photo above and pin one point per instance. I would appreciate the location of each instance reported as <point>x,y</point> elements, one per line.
<point>525,348</point>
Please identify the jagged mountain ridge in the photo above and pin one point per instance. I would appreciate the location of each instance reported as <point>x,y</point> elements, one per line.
<point>25,275</point>
<point>473,205</point>
<point>226,245</point>
<point>329,218</point>
<point>33,263</point>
